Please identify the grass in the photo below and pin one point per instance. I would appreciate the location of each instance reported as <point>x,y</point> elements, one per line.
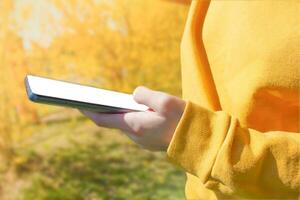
<point>77,160</point>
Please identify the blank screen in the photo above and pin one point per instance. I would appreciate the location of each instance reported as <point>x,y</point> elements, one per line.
<point>80,93</point>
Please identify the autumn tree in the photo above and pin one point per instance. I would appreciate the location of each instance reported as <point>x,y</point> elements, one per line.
<point>16,111</point>
<point>117,44</point>
<point>114,44</point>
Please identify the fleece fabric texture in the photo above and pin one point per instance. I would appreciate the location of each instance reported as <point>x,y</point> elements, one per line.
<point>239,136</point>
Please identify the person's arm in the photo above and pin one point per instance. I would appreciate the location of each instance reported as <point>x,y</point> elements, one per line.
<point>212,146</point>
<point>231,159</point>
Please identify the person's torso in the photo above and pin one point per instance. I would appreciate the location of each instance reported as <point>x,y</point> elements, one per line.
<point>253,60</point>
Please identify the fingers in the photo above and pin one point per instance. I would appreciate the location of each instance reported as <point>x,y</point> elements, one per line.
<point>140,122</point>
<point>158,101</point>
<point>108,120</point>
<point>133,122</point>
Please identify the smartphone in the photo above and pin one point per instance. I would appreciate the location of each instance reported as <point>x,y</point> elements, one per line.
<point>61,93</point>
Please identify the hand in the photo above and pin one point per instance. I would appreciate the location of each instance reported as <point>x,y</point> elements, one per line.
<point>152,130</point>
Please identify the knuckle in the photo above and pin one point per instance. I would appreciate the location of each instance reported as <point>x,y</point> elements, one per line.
<point>166,105</point>
<point>138,129</point>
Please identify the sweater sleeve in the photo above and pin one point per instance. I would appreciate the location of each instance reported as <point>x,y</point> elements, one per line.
<point>231,159</point>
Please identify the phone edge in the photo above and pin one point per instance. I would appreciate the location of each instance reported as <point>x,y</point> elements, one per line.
<point>71,103</point>
<point>33,97</point>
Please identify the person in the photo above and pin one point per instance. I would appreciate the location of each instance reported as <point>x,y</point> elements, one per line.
<point>236,130</point>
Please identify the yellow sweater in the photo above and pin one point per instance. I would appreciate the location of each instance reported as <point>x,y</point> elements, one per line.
<point>239,136</point>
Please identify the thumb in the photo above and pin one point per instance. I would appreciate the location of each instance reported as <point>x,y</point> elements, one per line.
<point>158,101</point>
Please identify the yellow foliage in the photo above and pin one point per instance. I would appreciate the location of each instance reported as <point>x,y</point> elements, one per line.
<point>114,44</point>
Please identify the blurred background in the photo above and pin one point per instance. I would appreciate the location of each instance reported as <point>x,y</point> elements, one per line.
<point>49,152</point>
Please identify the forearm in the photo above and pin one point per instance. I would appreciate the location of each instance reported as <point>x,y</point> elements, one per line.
<point>234,160</point>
